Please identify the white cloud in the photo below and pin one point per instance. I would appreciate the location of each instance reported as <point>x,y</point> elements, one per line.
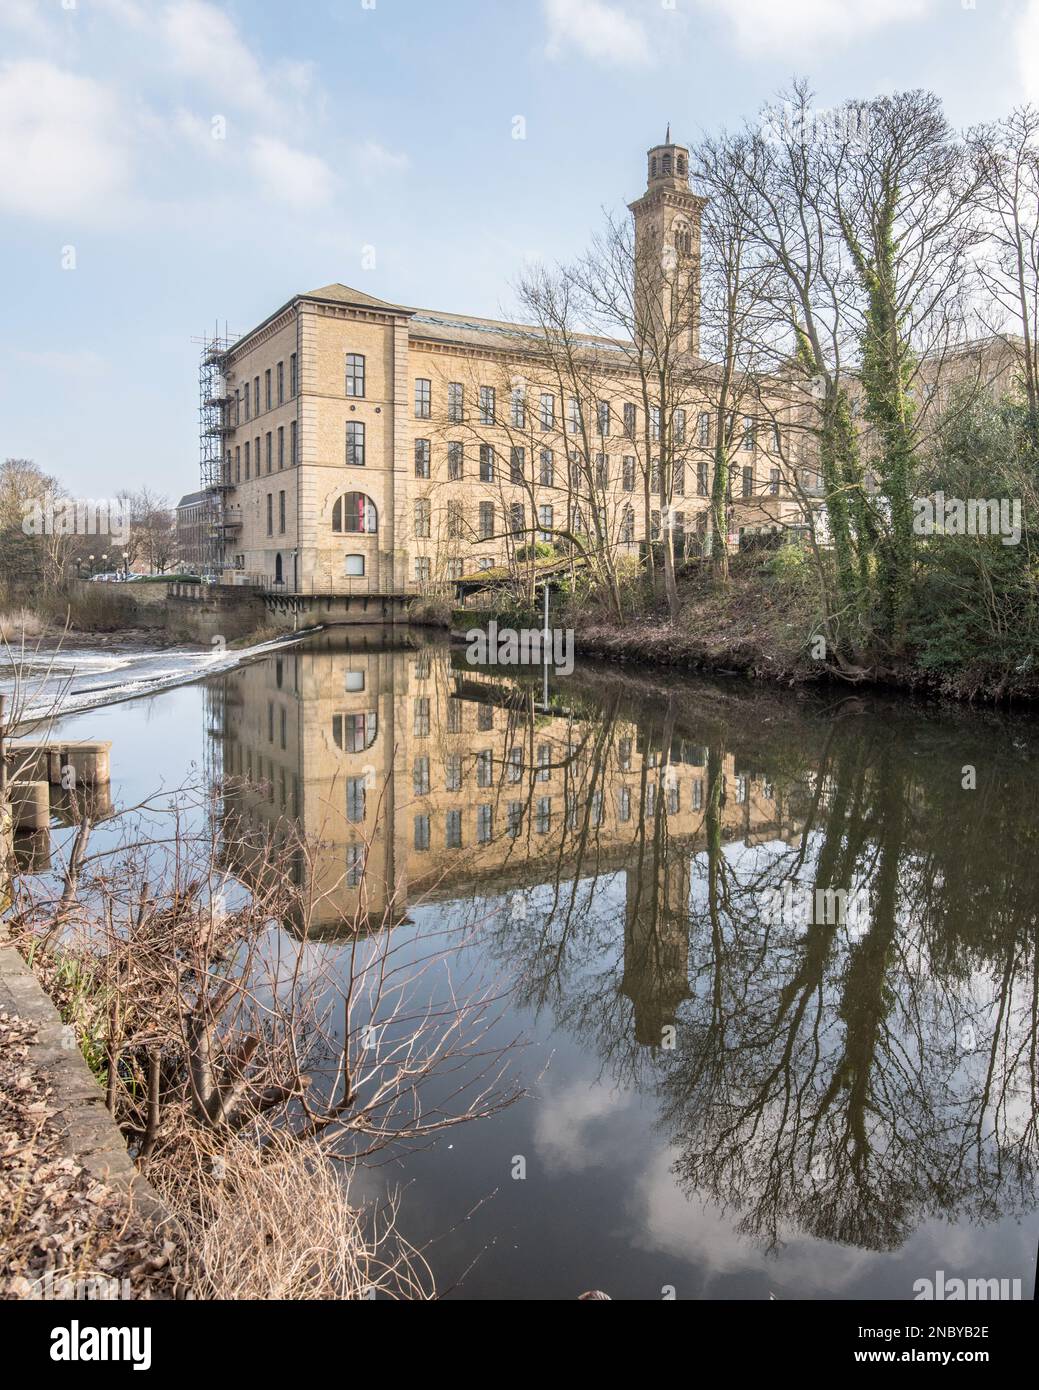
<point>565,1121</point>
<point>604,32</point>
<point>202,43</point>
<point>24,17</point>
<point>791,27</point>
<point>63,148</point>
<point>374,159</point>
<point>290,174</point>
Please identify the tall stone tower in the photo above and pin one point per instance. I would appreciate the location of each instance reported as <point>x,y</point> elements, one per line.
<point>667,243</point>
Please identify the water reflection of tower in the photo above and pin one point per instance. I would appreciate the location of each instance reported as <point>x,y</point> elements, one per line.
<point>656,942</point>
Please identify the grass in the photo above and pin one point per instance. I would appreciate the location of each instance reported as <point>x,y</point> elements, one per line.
<point>20,624</point>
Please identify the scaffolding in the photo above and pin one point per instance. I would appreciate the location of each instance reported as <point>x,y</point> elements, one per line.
<point>215,427</point>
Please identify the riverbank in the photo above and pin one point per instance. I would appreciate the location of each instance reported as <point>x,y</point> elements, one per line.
<point>765,626</point>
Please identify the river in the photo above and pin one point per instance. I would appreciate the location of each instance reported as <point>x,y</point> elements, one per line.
<point>771,956</point>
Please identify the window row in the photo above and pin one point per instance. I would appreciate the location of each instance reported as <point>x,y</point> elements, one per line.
<point>249,459</point>
<point>247,398</point>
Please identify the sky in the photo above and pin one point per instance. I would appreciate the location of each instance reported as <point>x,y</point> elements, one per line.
<point>167,166</point>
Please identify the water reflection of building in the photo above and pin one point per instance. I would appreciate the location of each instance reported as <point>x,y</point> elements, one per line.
<point>414,781</point>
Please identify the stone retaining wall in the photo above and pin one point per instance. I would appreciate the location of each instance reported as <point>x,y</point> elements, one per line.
<point>92,1137</point>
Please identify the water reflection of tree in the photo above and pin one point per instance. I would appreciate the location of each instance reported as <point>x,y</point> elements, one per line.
<point>844,1083</point>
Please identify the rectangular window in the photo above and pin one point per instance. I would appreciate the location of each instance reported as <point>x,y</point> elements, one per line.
<point>453,761</point>
<point>627,526</point>
<point>354,865</point>
<point>773,482</point>
<point>355,799</point>
<point>603,418</point>
<point>517,464</point>
<point>703,429</point>
<point>238,463</point>
<point>423,398</point>
<point>247,460</point>
<point>485,768</point>
<point>602,470</point>
<point>654,526</point>
<point>270,513</point>
<point>281,447</point>
<point>486,521</point>
<point>422,517</point>
<point>701,478</point>
<point>624,804</point>
<point>484,823</point>
<point>455,522</point>
<point>515,765</point>
<point>355,443</point>
<point>519,408</point>
<point>748,482</point>
<point>455,402</point>
<point>281,513</point>
<point>423,569</point>
<point>630,419</point>
<point>486,462</point>
<point>420,728</point>
<point>628,473</point>
<point>281,382</point>
<point>453,829</point>
<point>546,470</point>
<point>292,442</point>
<point>420,776</point>
<point>422,833</point>
<point>654,421</point>
<point>748,432</point>
<point>517,518</point>
<point>515,821</point>
<point>293,385</point>
<point>267,399</point>
<point>270,451</point>
<point>455,460</point>
<point>421,458</point>
<point>354,374</point>
<point>256,395</point>
<point>546,522</point>
<point>487,405</point>
<point>573,416</point>
<point>455,569</point>
<point>548,411</point>
<point>543,818</point>
<point>678,487</point>
<point>245,400</point>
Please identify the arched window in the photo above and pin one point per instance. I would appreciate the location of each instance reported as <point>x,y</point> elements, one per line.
<point>667,164</point>
<point>355,513</point>
<point>682,166</point>
<point>653,167</point>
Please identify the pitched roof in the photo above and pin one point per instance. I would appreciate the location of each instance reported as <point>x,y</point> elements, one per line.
<point>191,499</point>
<point>344,294</point>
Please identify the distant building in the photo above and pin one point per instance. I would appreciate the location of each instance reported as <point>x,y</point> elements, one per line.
<point>192,512</point>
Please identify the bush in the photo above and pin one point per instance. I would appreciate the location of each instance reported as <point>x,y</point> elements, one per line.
<point>789,566</point>
<point>90,608</point>
<point>19,625</point>
<point>537,550</point>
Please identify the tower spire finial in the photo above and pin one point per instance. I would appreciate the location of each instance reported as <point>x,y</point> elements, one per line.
<point>667,137</point>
